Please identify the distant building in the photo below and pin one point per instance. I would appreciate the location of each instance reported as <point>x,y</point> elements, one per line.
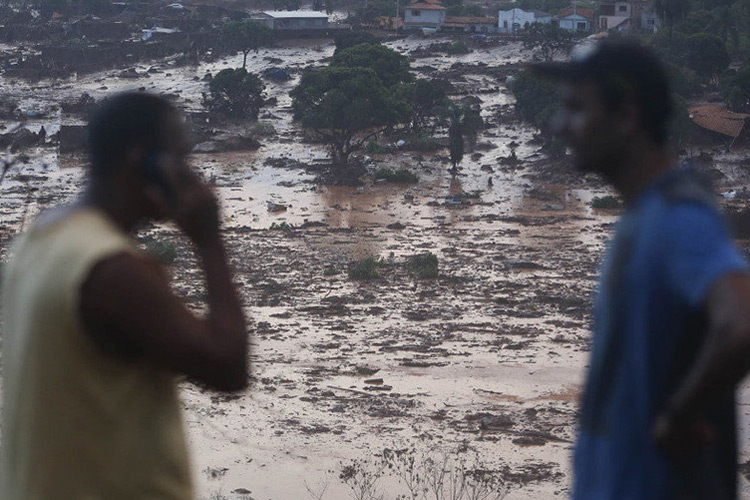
<point>649,21</point>
<point>619,15</point>
<point>575,19</point>
<point>470,24</point>
<point>510,21</point>
<point>424,14</point>
<point>293,19</point>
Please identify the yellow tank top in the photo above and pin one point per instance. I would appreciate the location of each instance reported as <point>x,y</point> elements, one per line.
<point>78,423</point>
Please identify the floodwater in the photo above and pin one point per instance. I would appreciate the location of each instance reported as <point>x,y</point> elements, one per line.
<point>488,357</point>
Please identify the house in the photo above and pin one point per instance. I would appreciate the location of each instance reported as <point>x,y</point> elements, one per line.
<point>649,21</point>
<point>510,21</point>
<point>615,15</point>
<point>293,19</point>
<point>470,24</point>
<point>424,14</point>
<point>721,121</point>
<point>575,19</point>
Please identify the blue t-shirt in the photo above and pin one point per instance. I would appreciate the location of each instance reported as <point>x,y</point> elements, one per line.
<point>669,248</point>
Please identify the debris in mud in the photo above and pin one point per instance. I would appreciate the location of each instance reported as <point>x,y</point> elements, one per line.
<point>275,207</point>
<point>227,142</point>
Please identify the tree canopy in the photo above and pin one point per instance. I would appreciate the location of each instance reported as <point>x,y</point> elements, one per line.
<point>244,36</point>
<point>391,67</point>
<point>346,107</point>
<point>706,54</point>
<point>547,40</point>
<point>347,39</point>
<point>425,98</point>
<point>235,93</point>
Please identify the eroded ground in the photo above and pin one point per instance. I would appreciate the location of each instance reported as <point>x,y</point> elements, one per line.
<point>487,358</point>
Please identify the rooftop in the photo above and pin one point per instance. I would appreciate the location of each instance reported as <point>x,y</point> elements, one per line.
<point>585,13</point>
<point>425,6</point>
<point>718,119</point>
<point>295,14</point>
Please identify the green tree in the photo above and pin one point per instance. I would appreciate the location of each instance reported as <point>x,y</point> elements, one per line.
<point>347,39</point>
<point>391,67</point>
<point>536,101</point>
<point>471,10</point>
<point>235,93</point>
<point>367,13</point>
<point>287,4</point>
<point>735,85</point>
<point>472,124</point>
<point>548,40</point>
<point>671,12</point>
<point>424,98</point>
<point>346,108</point>
<point>706,54</point>
<point>244,36</point>
<point>456,140</point>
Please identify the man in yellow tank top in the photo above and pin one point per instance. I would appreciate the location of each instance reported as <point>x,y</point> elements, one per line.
<point>93,336</point>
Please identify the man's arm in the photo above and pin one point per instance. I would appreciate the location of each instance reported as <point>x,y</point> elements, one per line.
<point>127,299</point>
<point>722,364</point>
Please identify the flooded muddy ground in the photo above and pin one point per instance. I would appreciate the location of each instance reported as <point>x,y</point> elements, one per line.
<point>484,361</point>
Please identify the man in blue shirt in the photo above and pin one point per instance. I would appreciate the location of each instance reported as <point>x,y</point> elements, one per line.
<point>672,315</point>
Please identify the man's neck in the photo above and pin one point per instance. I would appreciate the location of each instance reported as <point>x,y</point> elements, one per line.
<point>110,202</point>
<point>645,164</point>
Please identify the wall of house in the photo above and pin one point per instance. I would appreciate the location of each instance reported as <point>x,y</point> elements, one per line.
<point>575,23</point>
<point>427,17</point>
<point>509,21</point>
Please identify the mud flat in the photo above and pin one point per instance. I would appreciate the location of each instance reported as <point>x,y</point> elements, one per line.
<point>487,358</point>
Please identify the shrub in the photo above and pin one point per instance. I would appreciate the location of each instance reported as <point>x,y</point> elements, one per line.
<point>164,251</point>
<point>458,47</point>
<point>263,129</point>
<point>364,269</point>
<point>605,202</point>
<point>424,144</point>
<point>284,226</point>
<point>401,176</point>
<point>423,265</point>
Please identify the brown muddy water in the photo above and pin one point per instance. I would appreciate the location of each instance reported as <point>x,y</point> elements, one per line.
<point>487,358</point>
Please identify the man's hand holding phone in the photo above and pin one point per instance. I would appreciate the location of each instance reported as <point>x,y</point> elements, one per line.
<point>185,198</point>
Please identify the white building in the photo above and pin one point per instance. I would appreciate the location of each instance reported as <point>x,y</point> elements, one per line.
<point>510,21</point>
<point>293,19</point>
<point>427,14</point>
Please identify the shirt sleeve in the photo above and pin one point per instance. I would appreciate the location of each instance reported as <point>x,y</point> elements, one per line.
<point>699,251</point>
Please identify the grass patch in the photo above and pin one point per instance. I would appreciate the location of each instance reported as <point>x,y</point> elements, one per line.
<point>424,144</point>
<point>365,269</point>
<point>330,271</point>
<point>423,265</point>
<point>401,176</point>
<point>373,148</point>
<point>605,202</point>
<point>164,251</point>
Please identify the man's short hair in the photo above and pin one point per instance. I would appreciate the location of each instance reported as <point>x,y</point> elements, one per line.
<point>124,121</point>
<point>622,70</point>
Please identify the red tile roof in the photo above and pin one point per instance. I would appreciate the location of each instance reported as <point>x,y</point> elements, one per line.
<point>586,13</point>
<point>425,6</point>
<point>717,119</point>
